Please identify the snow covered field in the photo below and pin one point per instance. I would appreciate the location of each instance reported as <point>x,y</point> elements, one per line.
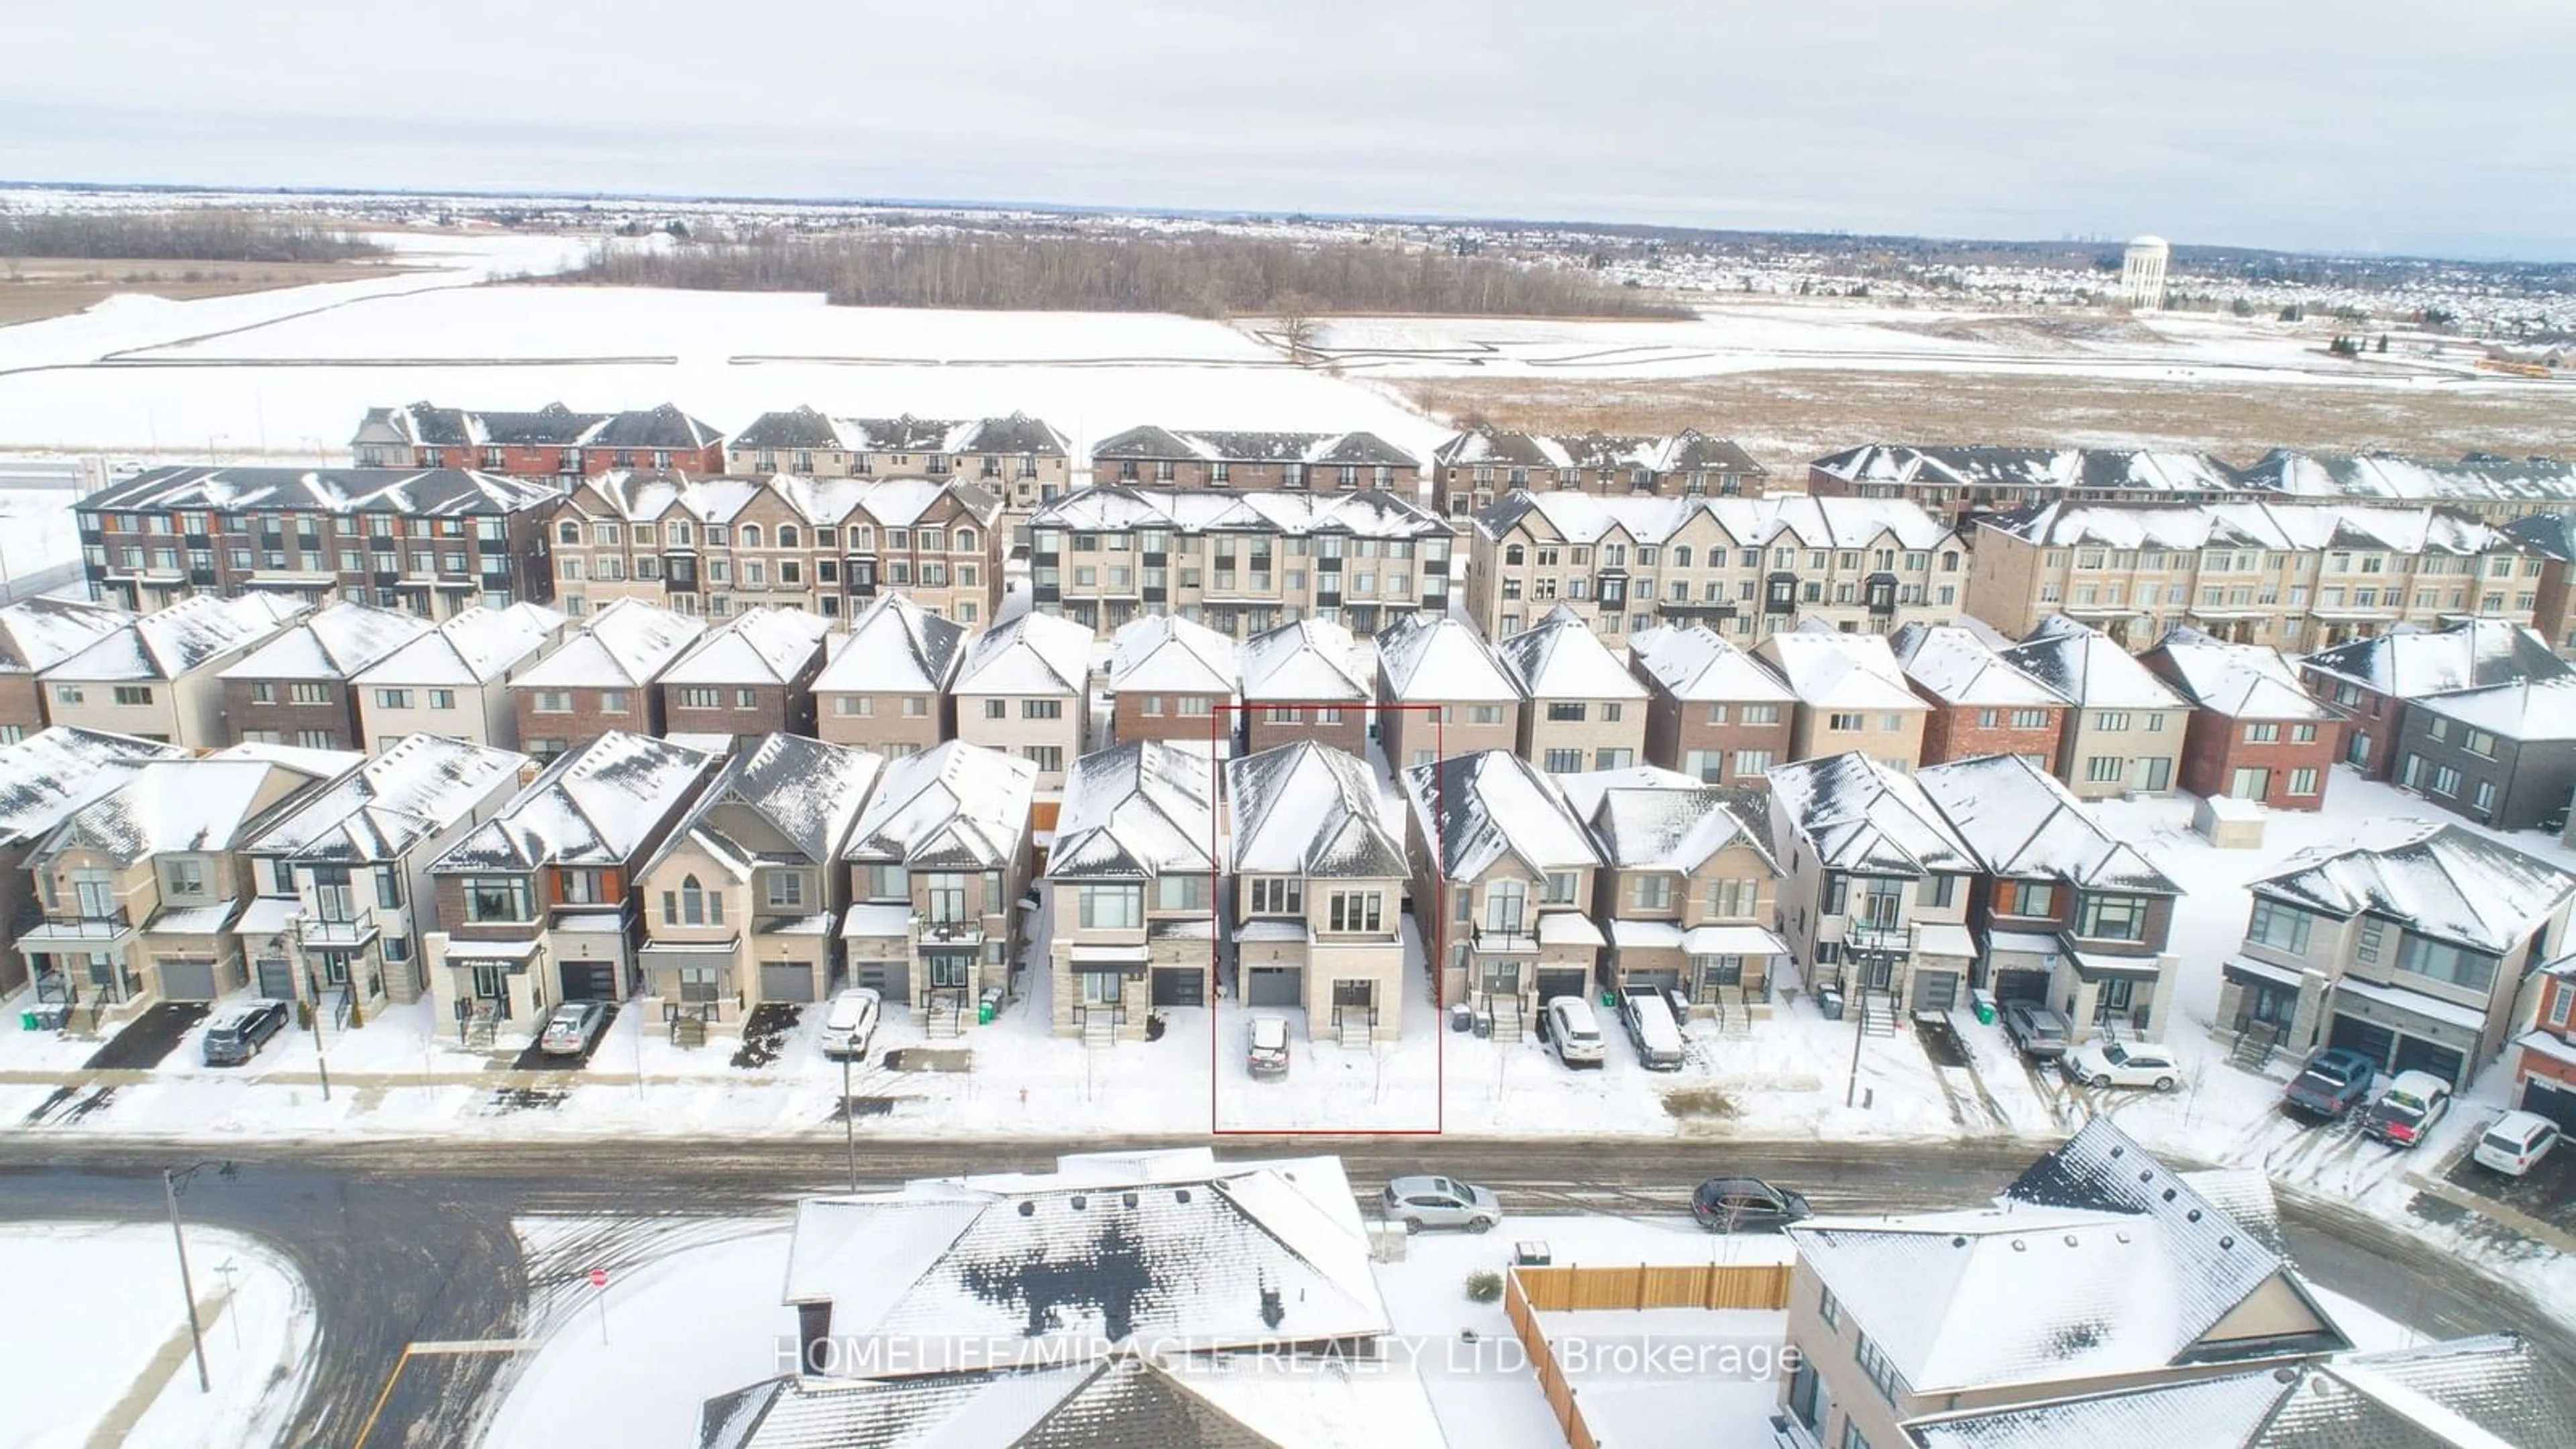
<point>95,1340</point>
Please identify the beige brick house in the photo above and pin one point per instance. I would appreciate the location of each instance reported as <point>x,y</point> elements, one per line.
<point>1024,688</point>
<point>1018,458</point>
<point>1713,712</point>
<point>455,681</point>
<point>1442,691</point>
<point>1305,681</point>
<point>1851,696</point>
<point>1687,889</point>
<point>160,677</point>
<point>1170,679</point>
<point>1254,462</point>
<point>1503,886</point>
<point>1318,873</point>
<point>35,635</point>
<point>44,779</point>
<point>2125,730</point>
<point>1476,467</point>
<point>1133,880</point>
<point>601,678</point>
<point>886,687</point>
<point>1877,887</point>
<point>938,864</point>
<point>1582,709</point>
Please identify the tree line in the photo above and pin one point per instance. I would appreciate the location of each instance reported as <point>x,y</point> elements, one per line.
<point>1197,276</point>
<point>176,236</point>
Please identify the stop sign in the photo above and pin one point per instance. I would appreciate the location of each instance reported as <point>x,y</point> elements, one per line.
<point>599,1277</point>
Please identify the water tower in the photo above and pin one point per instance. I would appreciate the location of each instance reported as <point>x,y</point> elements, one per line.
<point>2142,273</point>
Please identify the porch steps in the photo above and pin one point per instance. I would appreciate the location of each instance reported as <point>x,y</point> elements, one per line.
<point>1099,1030</point>
<point>480,1028</point>
<point>944,1019</point>
<point>1734,1013</point>
<point>1352,1031</point>
<point>2255,1045</point>
<point>1508,1025</point>
<point>1877,1013</point>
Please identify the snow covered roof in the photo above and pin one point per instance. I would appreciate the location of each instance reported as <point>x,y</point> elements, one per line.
<point>956,807</point>
<point>1141,809</point>
<point>1310,810</point>
<point>409,492</point>
<point>2118,471</point>
<point>1559,657</point>
<point>185,636</point>
<point>1361,513</point>
<point>554,424</point>
<point>1791,519</point>
<point>1828,669</point>
<point>2089,667</point>
<point>1030,653</point>
<point>804,427</point>
<point>40,632</point>
<point>1167,654</point>
<point>2241,681</point>
<point>2277,526</point>
<point>807,791</point>
<point>1305,659</point>
<point>623,646</point>
<point>1696,663</point>
<point>2413,663</point>
<point>336,643</point>
<point>1173,1245</point>
<point>2450,882</point>
<point>416,789</point>
<point>1150,442</point>
<point>54,772</point>
<point>2542,709</point>
<point>1689,450</point>
<point>1646,818</point>
<point>2021,822</point>
<point>1955,666</point>
<point>770,644</point>
<point>595,806</point>
<point>1859,815</point>
<point>1442,660</point>
<point>1476,809</point>
<point>894,646</point>
<point>476,646</point>
<point>2477,478</point>
<point>205,803</point>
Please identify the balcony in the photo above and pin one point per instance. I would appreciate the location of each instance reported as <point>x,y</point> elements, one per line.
<point>335,935</point>
<point>53,929</point>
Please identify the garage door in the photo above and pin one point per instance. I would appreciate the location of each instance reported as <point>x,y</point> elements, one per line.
<point>277,980</point>
<point>1936,990</point>
<point>188,980</point>
<point>1557,981</point>
<point>891,980</point>
<point>1180,986</point>
<point>2021,986</point>
<point>2368,1038</point>
<point>590,980</point>
<point>2414,1054</point>
<point>2550,1100</point>
<point>790,981</point>
<point>1274,986</point>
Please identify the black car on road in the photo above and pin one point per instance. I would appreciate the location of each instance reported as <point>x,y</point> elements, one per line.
<point>1746,1205</point>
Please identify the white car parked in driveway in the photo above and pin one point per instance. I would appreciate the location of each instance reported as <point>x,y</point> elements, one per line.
<point>2515,1142</point>
<point>1574,1033</point>
<point>2123,1064</point>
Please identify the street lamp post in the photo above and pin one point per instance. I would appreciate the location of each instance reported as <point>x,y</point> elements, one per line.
<point>294,938</point>
<point>849,1125</point>
<point>171,1179</point>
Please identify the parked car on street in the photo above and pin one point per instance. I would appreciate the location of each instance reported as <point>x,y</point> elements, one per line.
<point>850,1025</point>
<point>2514,1143</point>
<point>2105,1064</point>
<point>238,1035</point>
<point>1574,1033</point>
<point>1651,1028</point>
<point>1746,1205</point>
<point>2038,1032</point>
<point>571,1028</point>
<point>2332,1083</point>
<point>1441,1202</point>
<point>1266,1047</point>
<point>2408,1109</point>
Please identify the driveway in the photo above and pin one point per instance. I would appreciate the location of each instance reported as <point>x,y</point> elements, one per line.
<point>149,1037</point>
<point>2547,1192</point>
<point>537,1059</point>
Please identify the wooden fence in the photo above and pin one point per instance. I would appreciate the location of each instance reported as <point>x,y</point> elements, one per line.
<point>1551,1379</point>
<point>1528,1292</point>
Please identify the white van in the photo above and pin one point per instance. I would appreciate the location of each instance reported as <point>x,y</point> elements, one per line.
<point>1651,1028</point>
<point>2516,1141</point>
<point>1573,1033</point>
<point>851,1024</point>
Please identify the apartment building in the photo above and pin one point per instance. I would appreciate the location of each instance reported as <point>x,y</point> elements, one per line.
<point>2254,733</point>
<point>2494,490</point>
<point>1581,709</point>
<point>2371,681</point>
<point>1152,457</point>
<point>1713,712</point>
<point>886,687</point>
<point>535,905</point>
<point>1019,459</point>
<point>1957,482</point>
<point>1318,873</point>
<point>2124,732</point>
<point>1504,879</point>
<point>2504,756</point>
<point>941,866</point>
<point>44,778</point>
<point>296,688</point>
<point>1443,691</point>
<point>1478,466</point>
<point>1132,875</point>
<point>431,542</point>
<point>1170,679</point>
<point>455,680</point>
<point>1024,688</point>
<point>743,898</point>
<point>1982,704</point>
<point>552,441</point>
<point>160,677</point>
<point>1305,680</point>
<point>750,678</point>
<point>1688,888</point>
<point>1850,696</point>
<point>2419,956</point>
<point>1745,567</point>
<point>601,678</point>
<point>35,635</point>
<point>1238,563</point>
<point>2294,576</point>
<point>1875,889</point>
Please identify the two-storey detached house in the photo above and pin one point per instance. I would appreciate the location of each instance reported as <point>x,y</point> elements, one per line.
<point>1876,887</point>
<point>1982,704</point>
<point>1713,712</point>
<point>1170,679</point>
<point>455,680</point>
<point>1688,889</point>
<point>1582,709</point>
<point>1503,884</point>
<point>35,635</point>
<point>160,677</point>
<point>296,689</point>
<point>1851,695</point>
<point>1133,880</point>
<point>43,779</point>
<point>750,678</point>
<point>886,686</point>
<point>1442,691</point>
<point>2255,733</point>
<point>601,679</point>
<point>940,863</point>
<point>1318,870</point>
<point>2124,732</point>
<point>1024,688</point>
<point>1305,681</point>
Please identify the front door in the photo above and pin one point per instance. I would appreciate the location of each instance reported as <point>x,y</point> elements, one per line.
<point>2159,774</point>
<point>1500,978</point>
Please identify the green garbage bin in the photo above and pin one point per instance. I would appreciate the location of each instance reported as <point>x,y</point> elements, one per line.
<point>26,1021</point>
<point>1983,1002</point>
<point>983,1013</point>
<point>1609,1000</point>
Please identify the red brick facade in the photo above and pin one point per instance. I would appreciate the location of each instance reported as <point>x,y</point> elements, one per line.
<point>2375,719</point>
<point>22,706</point>
<point>2215,747</point>
<point>770,708</point>
<point>594,712</point>
<point>1344,727</point>
<point>1966,732</point>
<point>321,713</point>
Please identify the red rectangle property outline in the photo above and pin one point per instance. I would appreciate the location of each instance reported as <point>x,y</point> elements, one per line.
<point>1220,738</point>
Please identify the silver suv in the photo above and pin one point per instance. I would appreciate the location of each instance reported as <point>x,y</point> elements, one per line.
<point>1441,1202</point>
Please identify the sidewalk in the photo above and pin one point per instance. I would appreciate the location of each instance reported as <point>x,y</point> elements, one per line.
<point>173,1355</point>
<point>2495,1212</point>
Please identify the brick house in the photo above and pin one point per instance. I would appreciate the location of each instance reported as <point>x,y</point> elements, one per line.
<point>1581,708</point>
<point>1958,482</point>
<point>1019,458</point>
<point>1322,462</point>
<point>2488,487</point>
<point>1981,703</point>
<point>1713,712</point>
<point>939,863</point>
<point>549,442</point>
<point>1305,680</point>
<point>2548,540</point>
<point>2125,730</point>
<point>1503,886</point>
<point>601,678</point>
<point>535,905</point>
<point>1442,692</point>
<point>44,778</point>
<point>743,899</point>
<point>750,678</point>
<point>2370,681</point>
<point>1318,871</point>
<point>1170,679</point>
<point>1851,696</point>
<point>1476,467</point>
<point>2504,756</point>
<point>886,687</point>
<point>295,689</point>
<point>2544,1059</point>
<point>1132,877</point>
<point>2254,734</point>
<point>160,677</point>
<point>1024,688</point>
<point>1875,888</point>
<point>35,635</point>
<point>455,680</point>
<point>1688,889</point>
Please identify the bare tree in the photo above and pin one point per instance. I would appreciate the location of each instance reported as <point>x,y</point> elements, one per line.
<point>1295,328</point>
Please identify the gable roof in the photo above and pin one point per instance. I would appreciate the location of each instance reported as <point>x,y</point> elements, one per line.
<point>1859,815</point>
<point>894,646</point>
<point>2285,527</point>
<point>806,428</point>
<point>2449,882</point>
<point>1295,513</point>
<point>1475,809</point>
<point>2241,681</point>
<point>2476,478</point>
<point>1686,451</point>
<point>2020,821</point>
<point>204,803</point>
<point>475,646</point>
<point>1309,810</point>
<point>54,772</point>
<point>2468,654</point>
<point>1140,809</point>
<point>185,636</point>
<point>1165,653</point>
<point>2118,471</point>
<point>769,644</point>
<point>1832,523</point>
<point>1646,818</point>
<point>2089,667</point>
<point>1150,442</point>
<point>410,492</point>
<point>38,633</point>
<point>595,806</point>
<point>808,790</point>
<point>1956,667</point>
<point>419,787</point>
<point>958,806</point>
<point>1306,659</point>
<point>1559,657</point>
<point>1828,669</point>
<point>2527,709</point>
<point>1429,660</point>
<point>1030,653</point>
<point>336,643</point>
<point>1697,663</point>
<point>624,646</point>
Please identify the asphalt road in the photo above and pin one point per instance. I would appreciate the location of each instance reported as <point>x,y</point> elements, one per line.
<point>412,1241</point>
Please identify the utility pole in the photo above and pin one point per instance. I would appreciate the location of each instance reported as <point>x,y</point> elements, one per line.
<point>849,1126</point>
<point>196,1331</point>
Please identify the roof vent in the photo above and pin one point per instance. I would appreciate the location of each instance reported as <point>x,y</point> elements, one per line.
<point>2192,1216</point>
<point>2146,1174</point>
<point>2070,1240</point>
<point>1077,1202</point>
<point>2121,1233</point>
<point>1127,1198</point>
<point>2119,1151</point>
<point>2227,1241</point>
<point>2169,1194</point>
<point>1180,1194</point>
<point>1959,1241</point>
<point>2020,1247</point>
<point>1028,1209</point>
<point>2285,1375</point>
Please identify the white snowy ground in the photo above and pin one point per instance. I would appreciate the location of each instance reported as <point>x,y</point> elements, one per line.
<point>92,1306</point>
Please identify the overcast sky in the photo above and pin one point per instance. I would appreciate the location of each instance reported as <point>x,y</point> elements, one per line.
<point>2444,126</point>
